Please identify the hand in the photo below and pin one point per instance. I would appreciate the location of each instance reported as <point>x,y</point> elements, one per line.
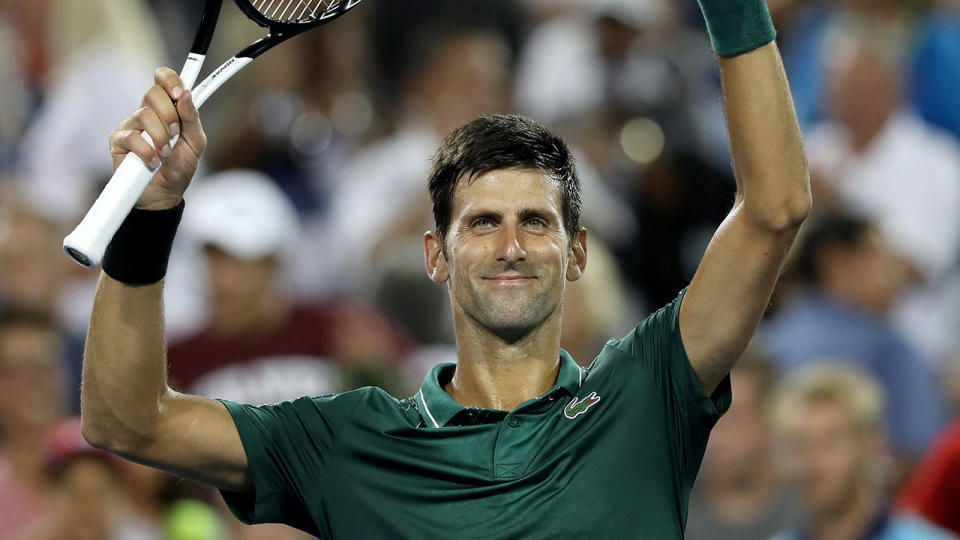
<point>166,110</point>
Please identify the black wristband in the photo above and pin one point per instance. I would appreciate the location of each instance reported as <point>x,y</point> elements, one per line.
<point>139,252</point>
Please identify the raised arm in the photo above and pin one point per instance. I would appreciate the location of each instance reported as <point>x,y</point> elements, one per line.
<point>736,277</point>
<point>126,405</point>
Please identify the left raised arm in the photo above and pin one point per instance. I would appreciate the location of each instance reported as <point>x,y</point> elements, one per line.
<point>735,279</point>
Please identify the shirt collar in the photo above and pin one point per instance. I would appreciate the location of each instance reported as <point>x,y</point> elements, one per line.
<point>437,407</point>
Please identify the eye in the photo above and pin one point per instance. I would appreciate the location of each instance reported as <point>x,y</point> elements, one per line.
<point>536,222</point>
<point>481,223</point>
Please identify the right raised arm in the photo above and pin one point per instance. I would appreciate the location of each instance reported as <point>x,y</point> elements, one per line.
<point>126,405</point>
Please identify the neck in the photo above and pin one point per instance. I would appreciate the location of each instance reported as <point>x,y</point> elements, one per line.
<point>848,522</point>
<point>494,374</point>
<point>863,133</point>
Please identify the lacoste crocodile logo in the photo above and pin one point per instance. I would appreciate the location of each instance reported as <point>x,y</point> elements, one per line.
<point>576,407</point>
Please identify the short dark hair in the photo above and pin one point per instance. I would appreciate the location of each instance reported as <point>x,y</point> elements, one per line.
<point>498,142</point>
<point>829,230</point>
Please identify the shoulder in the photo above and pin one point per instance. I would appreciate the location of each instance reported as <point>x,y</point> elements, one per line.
<point>330,409</point>
<point>367,397</point>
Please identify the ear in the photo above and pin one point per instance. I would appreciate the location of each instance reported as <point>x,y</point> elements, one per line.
<point>433,257</point>
<point>578,256</point>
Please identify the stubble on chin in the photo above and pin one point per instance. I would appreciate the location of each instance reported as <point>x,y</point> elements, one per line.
<point>510,319</point>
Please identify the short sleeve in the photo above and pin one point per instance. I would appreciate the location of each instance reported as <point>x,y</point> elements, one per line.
<point>656,347</point>
<point>288,446</point>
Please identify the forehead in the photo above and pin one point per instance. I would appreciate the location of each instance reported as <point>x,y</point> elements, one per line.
<point>507,190</point>
<point>820,415</point>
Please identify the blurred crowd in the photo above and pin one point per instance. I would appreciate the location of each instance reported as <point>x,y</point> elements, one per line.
<point>298,266</point>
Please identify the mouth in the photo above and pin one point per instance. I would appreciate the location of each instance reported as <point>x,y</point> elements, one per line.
<point>510,279</point>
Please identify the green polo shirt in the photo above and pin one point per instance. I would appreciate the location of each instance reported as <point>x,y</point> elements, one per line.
<point>610,452</point>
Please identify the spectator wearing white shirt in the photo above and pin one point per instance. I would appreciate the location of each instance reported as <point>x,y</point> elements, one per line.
<point>878,158</point>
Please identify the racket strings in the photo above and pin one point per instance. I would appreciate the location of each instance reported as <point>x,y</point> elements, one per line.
<point>294,11</point>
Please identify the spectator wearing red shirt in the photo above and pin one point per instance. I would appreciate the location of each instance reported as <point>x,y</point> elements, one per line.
<point>934,490</point>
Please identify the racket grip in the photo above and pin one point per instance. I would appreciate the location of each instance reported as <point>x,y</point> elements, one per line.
<point>87,243</point>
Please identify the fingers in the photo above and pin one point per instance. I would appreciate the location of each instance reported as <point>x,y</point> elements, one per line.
<point>167,111</point>
<point>130,140</point>
<point>190,129</point>
<point>149,121</point>
<point>169,81</point>
<point>157,99</point>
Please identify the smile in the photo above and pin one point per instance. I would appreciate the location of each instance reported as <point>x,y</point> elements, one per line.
<point>510,280</point>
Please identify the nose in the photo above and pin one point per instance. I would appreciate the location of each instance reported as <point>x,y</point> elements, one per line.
<point>510,248</point>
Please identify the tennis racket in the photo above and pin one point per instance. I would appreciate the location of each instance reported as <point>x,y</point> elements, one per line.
<point>283,19</point>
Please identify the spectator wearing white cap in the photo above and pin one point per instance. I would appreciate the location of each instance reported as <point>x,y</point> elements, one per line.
<point>260,344</point>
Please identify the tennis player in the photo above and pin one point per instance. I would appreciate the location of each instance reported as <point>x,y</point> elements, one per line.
<point>515,440</point>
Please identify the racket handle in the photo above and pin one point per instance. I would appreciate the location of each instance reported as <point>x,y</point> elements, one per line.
<point>87,243</point>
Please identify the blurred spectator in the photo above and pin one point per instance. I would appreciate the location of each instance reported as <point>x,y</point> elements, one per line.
<point>300,114</point>
<point>831,419</point>
<point>261,345</point>
<point>934,490</point>
<point>862,158</point>
<point>69,51</point>
<point>850,280</point>
<point>31,399</point>
<point>145,488</point>
<point>592,52</point>
<point>931,47</point>
<point>739,494</point>
<point>455,75</point>
<point>33,270</point>
<point>679,200</point>
<point>635,83</point>
<point>86,500</point>
<point>596,307</point>
<point>16,76</point>
<point>640,97</point>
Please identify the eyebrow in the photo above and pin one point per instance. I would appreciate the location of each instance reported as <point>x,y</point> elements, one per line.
<point>485,214</point>
<point>523,213</point>
<point>527,213</point>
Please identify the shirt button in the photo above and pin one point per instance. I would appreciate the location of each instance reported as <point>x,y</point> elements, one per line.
<point>513,421</point>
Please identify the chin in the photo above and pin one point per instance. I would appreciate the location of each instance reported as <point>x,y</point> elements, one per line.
<point>512,324</point>
<point>511,333</point>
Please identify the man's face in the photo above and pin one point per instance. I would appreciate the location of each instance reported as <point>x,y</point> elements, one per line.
<point>739,443</point>
<point>863,88</point>
<point>831,457</point>
<point>507,253</point>
<point>31,265</point>
<point>237,285</point>
<point>85,499</point>
<point>870,273</point>
<point>29,377</point>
